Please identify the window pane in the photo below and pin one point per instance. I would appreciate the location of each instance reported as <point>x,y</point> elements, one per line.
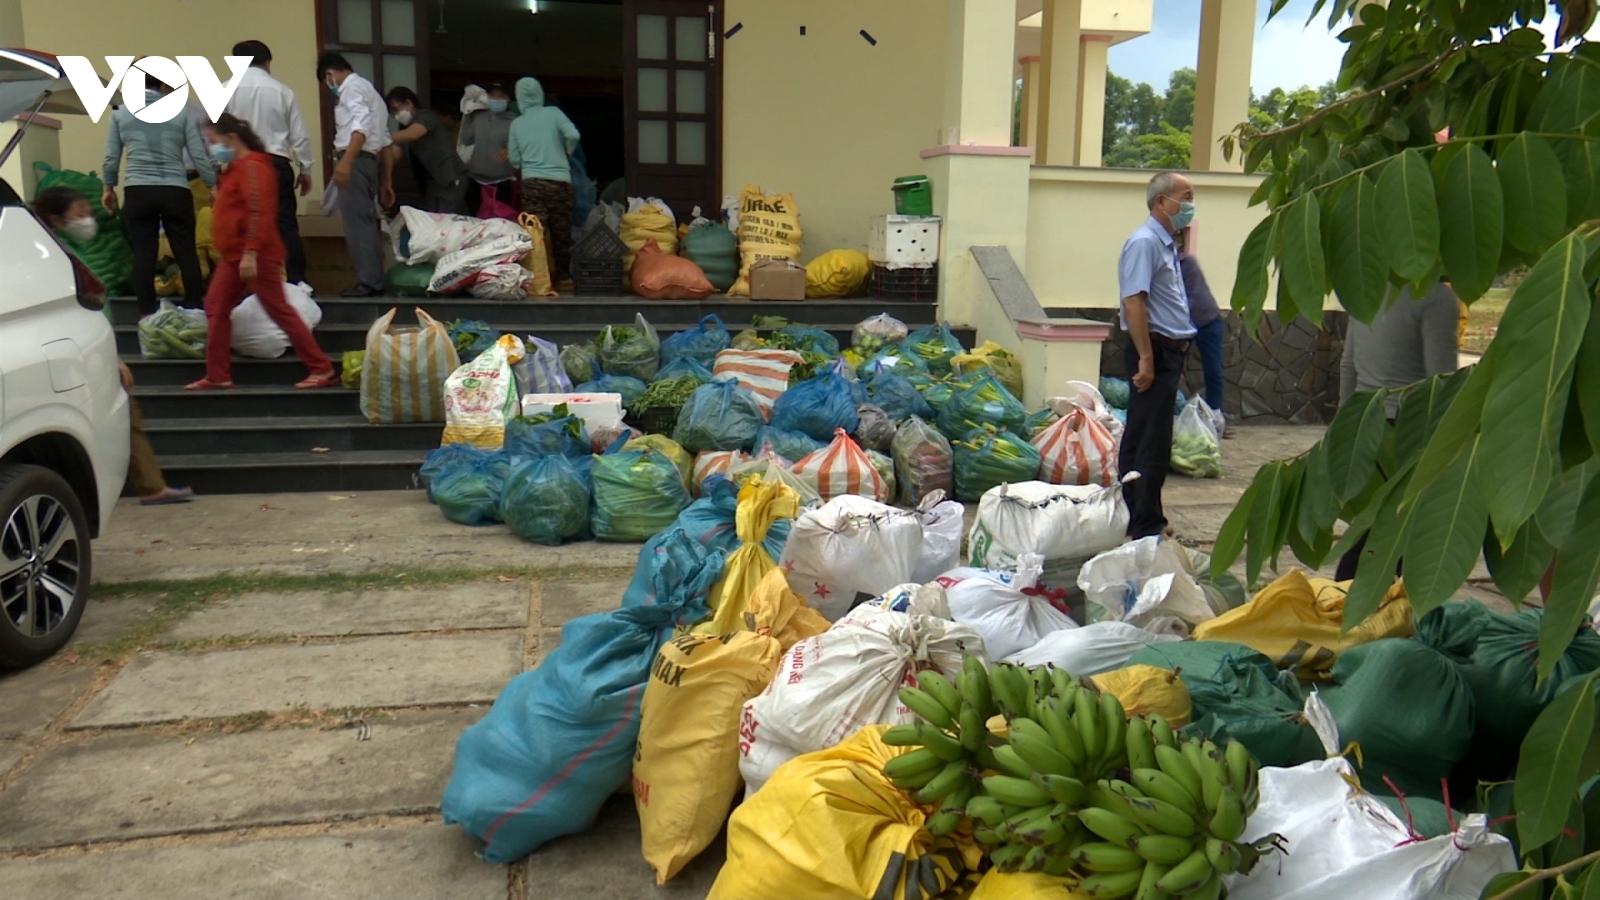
<point>652,90</point>
<point>691,143</point>
<point>362,63</point>
<point>399,23</point>
<point>400,70</point>
<point>355,22</point>
<point>653,142</point>
<point>652,37</point>
<point>691,39</point>
<point>691,91</point>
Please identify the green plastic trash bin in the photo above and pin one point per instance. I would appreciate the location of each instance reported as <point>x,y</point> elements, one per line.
<point>913,196</point>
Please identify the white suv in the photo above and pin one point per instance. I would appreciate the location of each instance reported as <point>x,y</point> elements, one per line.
<point>63,412</point>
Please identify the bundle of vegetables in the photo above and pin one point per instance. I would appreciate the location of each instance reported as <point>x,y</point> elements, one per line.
<point>936,346</point>
<point>810,365</point>
<point>877,332</point>
<point>1039,421</point>
<point>634,351</point>
<point>747,339</point>
<point>894,358</point>
<point>985,403</point>
<point>471,337</point>
<point>1196,451</point>
<point>805,338</point>
<point>1116,391</point>
<point>671,393</point>
<point>684,367</point>
<point>989,457</point>
<point>580,361</point>
<point>922,460</point>
<point>173,332</point>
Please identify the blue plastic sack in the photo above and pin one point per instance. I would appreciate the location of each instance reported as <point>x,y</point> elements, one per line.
<point>710,522</point>
<point>637,494</point>
<point>935,346</point>
<point>986,404</point>
<point>897,396</point>
<point>560,740</point>
<point>791,445</point>
<point>817,407</point>
<point>979,465</point>
<point>701,343</point>
<point>1115,390</point>
<point>811,339</point>
<point>546,499</point>
<point>629,387</point>
<point>683,367</point>
<point>468,491</point>
<point>565,437</point>
<point>721,415</point>
<point>477,331</point>
<point>437,461</point>
<point>893,358</point>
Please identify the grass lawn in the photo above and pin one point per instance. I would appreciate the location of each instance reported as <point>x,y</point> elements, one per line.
<point>1483,317</point>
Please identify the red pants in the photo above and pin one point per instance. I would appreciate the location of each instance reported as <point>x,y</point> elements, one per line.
<point>227,291</point>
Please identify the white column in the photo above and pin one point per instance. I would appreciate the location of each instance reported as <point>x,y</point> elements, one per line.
<point>1029,135</point>
<point>1058,83</point>
<point>1091,98</point>
<point>1222,89</point>
<point>978,72</point>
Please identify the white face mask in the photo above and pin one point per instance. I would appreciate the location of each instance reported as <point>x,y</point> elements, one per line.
<point>403,117</point>
<point>81,229</point>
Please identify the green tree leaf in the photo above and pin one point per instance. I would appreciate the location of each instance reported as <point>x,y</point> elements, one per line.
<point>1456,427</point>
<point>1250,284</point>
<point>1263,522</point>
<point>1506,880</point>
<point>1547,770</point>
<point>1571,97</point>
<point>1572,589</point>
<point>1580,166</point>
<point>1353,442</point>
<point>1471,222</point>
<point>1446,533</point>
<point>1285,306</point>
<point>1408,215</point>
<point>1230,540</point>
<point>1375,573</point>
<point>1361,521</point>
<point>1318,508</point>
<point>1359,265</point>
<point>1586,378</point>
<point>1518,568</point>
<point>1536,204</point>
<point>1421,408</point>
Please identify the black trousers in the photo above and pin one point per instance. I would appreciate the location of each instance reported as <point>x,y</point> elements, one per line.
<point>147,211</point>
<point>1147,441</point>
<point>294,259</point>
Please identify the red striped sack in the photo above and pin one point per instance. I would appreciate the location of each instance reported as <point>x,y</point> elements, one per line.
<point>1077,449</point>
<point>842,468</point>
<point>764,372</point>
<point>712,462</point>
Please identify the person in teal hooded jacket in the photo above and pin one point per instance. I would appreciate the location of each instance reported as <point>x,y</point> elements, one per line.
<point>542,139</point>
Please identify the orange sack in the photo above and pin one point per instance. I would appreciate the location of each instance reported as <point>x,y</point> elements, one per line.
<point>658,275</point>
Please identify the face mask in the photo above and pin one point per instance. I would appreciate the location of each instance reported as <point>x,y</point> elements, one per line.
<point>332,88</point>
<point>1184,215</point>
<point>81,229</point>
<point>151,95</point>
<point>498,106</point>
<point>222,154</point>
<point>403,117</point>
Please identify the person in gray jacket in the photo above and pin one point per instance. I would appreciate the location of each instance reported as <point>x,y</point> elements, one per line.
<point>488,133</point>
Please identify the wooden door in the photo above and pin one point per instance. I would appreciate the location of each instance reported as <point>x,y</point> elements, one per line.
<point>672,102</point>
<point>386,42</point>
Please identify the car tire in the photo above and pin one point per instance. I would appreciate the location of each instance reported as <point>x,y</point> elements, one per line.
<point>44,564</point>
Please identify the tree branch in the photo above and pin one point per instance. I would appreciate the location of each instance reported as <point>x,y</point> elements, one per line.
<point>1421,70</point>
<point>1546,875</point>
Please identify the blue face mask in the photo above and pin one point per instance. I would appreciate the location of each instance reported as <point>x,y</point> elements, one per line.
<point>222,154</point>
<point>333,87</point>
<point>498,106</point>
<point>1184,215</point>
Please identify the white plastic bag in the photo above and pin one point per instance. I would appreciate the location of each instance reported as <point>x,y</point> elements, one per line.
<point>1344,842</point>
<point>1197,442</point>
<point>502,281</point>
<point>464,268</point>
<point>942,522</point>
<point>481,396</point>
<point>1056,521</point>
<point>1085,396</point>
<point>1007,609</point>
<point>831,685</point>
<point>1094,648</point>
<point>540,371</point>
<point>637,204</point>
<point>254,332</point>
<point>917,599</point>
<point>850,551</point>
<point>1077,449</point>
<point>1145,580</point>
<point>424,237</point>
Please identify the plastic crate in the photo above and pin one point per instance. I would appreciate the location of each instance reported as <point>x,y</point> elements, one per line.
<point>913,196</point>
<point>914,284</point>
<point>597,277</point>
<point>655,420</point>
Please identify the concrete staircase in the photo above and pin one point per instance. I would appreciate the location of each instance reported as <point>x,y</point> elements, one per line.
<point>266,437</point>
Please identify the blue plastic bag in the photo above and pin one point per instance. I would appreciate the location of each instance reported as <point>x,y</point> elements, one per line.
<point>791,445</point>
<point>565,436</point>
<point>1115,390</point>
<point>897,396</point>
<point>540,371</point>
<point>629,387</point>
<point>683,367</point>
<point>986,403</point>
<point>442,459</point>
<point>560,740</point>
<point>637,494</point>
<point>546,499</point>
<point>701,343</point>
<point>710,522</point>
<point>471,337</point>
<point>935,346</point>
<point>721,415</point>
<point>468,492</point>
<point>811,339</point>
<point>894,358</point>
<point>816,407</point>
<point>980,466</point>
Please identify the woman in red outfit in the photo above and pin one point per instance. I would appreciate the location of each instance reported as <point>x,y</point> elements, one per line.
<point>245,231</point>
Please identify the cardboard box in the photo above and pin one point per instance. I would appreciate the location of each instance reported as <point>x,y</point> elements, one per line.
<point>596,410</point>
<point>777,279</point>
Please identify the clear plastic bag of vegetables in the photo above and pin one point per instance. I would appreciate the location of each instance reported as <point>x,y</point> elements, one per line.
<point>637,493</point>
<point>877,332</point>
<point>874,430</point>
<point>634,351</point>
<point>684,367</point>
<point>1196,449</point>
<point>985,403</point>
<point>883,464</point>
<point>816,407</point>
<point>173,332</point>
<point>468,491</point>
<point>701,343</point>
<point>546,499</point>
<point>721,415</point>
<point>988,457</point>
<point>895,358</point>
<point>935,345</point>
<point>897,396</point>
<point>629,387</point>
<point>581,361</point>
<point>556,432</point>
<point>923,460</point>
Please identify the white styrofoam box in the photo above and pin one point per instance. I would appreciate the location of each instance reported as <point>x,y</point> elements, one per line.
<point>904,241</point>
<point>596,410</point>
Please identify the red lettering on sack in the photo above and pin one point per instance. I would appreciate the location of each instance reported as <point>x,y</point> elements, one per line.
<point>641,791</point>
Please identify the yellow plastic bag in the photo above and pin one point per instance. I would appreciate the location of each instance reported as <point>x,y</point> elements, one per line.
<point>167,286</point>
<point>1149,689</point>
<point>837,273</point>
<point>998,885</point>
<point>686,770</point>
<point>760,504</point>
<point>350,369</point>
<point>638,227</point>
<point>830,825</point>
<point>769,228</point>
<point>200,194</point>
<point>1296,621</point>
<point>997,359</point>
<point>209,255</point>
<point>538,259</point>
<point>668,447</point>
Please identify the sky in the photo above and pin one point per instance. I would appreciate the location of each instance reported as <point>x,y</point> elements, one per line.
<point>1288,53</point>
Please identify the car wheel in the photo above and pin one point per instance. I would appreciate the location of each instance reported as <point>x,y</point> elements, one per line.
<point>44,564</point>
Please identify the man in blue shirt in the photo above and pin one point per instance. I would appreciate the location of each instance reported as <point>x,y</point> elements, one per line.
<point>1155,314</point>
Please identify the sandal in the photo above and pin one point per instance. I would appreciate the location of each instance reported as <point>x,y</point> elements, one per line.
<point>329,378</point>
<point>208,385</point>
<point>169,497</point>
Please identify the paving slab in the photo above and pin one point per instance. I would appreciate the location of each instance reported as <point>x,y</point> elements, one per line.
<point>564,601</point>
<point>10,752</point>
<point>605,862</point>
<point>106,620</point>
<point>479,604</point>
<point>162,686</point>
<point>422,862</point>
<point>130,784</point>
<point>30,699</point>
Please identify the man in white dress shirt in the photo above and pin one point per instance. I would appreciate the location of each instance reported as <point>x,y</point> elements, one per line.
<point>274,115</point>
<point>361,132</point>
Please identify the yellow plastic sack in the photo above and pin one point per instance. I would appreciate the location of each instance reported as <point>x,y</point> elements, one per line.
<point>200,194</point>
<point>837,273</point>
<point>1296,621</point>
<point>997,359</point>
<point>638,227</point>
<point>668,447</point>
<point>769,228</point>
<point>1143,690</point>
<point>760,504</point>
<point>686,769</point>
<point>998,885</point>
<point>165,286</point>
<point>210,257</point>
<point>830,825</point>
<point>538,259</point>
